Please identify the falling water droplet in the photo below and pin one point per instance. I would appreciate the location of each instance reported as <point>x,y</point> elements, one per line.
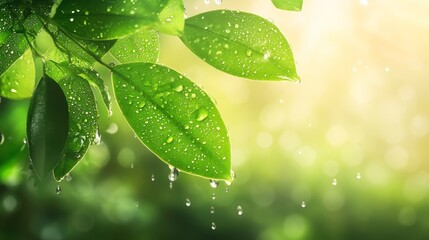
<point>303,204</point>
<point>232,174</point>
<point>137,204</point>
<point>213,226</point>
<point>334,182</point>
<point>174,174</point>
<point>132,165</point>
<point>171,185</point>
<point>1,138</point>
<point>218,2</point>
<point>68,177</point>
<point>97,138</point>
<point>206,1</point>
<point>239,210</point>
<point>212,209</point>
<point>226,189</point>
<point>58,190</point>
<point>152,177</point>
<point>213,196</point>
<point>214,183</point>
<point>358,176</point>
<point>188,202</point>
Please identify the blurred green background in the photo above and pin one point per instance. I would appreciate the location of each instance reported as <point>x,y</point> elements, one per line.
<point>341,155</point>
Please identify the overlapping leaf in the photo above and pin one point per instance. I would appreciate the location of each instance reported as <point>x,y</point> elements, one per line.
<point>291,5</point>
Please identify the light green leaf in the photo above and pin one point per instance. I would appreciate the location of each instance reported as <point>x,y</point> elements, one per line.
<point>108,19</point>
<point>18,81</point>
<point>172,18</point>
<point>94,79</point>
<point>291,5</point>
<point>47,125</point>
<point>174,118</point>
<point>141,46</point>
<point>241,44</point>
<point>83,116</point>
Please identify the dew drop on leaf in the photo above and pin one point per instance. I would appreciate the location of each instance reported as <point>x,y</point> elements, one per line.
<point>213,196</point>
<point>201,114</point>
<point>214,183</point>
<point>179,88</point>
<point>239,210</point>
<point>188,202</point>
<point>58,190</point>
<point>248,52</point>
<point>169,139</point>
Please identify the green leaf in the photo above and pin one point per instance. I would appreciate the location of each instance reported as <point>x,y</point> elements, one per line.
<point>94,79</point>
<point>83,116</point>
<point>174,118</point>
<point>11,50</point>
<point>172,18</point>
<point>241,44</point>
<point>141,46</point>
<point>108,19</point>
<point>291,5</point>
<point>47,125</point>
<point>18,81</point>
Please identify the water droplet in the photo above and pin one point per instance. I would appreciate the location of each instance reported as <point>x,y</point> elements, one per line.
<point>97,138</point>
<point>232,174</point>
<point>239,210</point>
<point>212,209</point>
<point>112,129</point>
<point>358,176</point>
<point>68,177</point>
<point>171,185</point>
<point>214,183</point>
<point>137,204</point>
<point>249,52</point>
<point>218,2</point>
<point>112,64</point>
<point>201,114</point>
<point>334,182</point>
<point>169,139</point>
<point>142,104</point>
<point>267,55</point>
<point>71,19</point>
<point>206,1</point>
<point>152,177</point>
<point>303,204</point>
<point>132,165</point>
<point>58,190</point>
<point>1,138</point>
<point>179,88</point>
<point>226,189</point>
<point>188,202</point>
<point>174,174</point>
<point>213,196</point>
<point>213,226</point>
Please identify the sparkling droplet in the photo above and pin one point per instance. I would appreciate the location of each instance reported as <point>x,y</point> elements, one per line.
<point>358,176</point>
<point>179,88</point>
<point>71,19</point>
<point>152,177</point>
<point>174,174</point>
<point>214,183</point>
<point>132,165</point>
<point>239,210</point>
<point>218,2</point>
<point>213,226</point>
<point>188,202</point>
<point>267,55</point>
<point>97,138</point>
<point>1,138</point>
<point>58,190</point>
<point>334,182</point>
<point>212,209</point>
<point>201,114</point>
<point>232,174</point>
<point>213,196</point>
<point>169,139</point>
<point>249,52</point>
<point>303,204</point>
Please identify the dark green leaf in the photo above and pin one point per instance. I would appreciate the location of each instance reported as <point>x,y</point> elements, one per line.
<point>108,19</point>
<point>241,44</point>
<point>47,126</point>
<point>83,116</point>
<point>174,118</point>
<point>172,18</point>
<point>141,46</point>
<point>18,81</point>
<point>291,5</point>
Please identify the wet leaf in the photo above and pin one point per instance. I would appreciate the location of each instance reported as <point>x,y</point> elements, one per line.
<point>141,46</point>
<point>47,126</point>
<point>241,44</point>
<point>94,79</point>
<point>108,19</point>
<point>174,118</point>
<point>172,18</point>
<point>83,116</point>
<point>18,81</point>
<point>291,5</point>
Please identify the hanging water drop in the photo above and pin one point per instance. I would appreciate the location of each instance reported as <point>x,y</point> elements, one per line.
<point>303,204</point>
<point>239,210</point>
<point>212,209</point>
<point>174,174</point>
<point>68,177</point>
<point>214,183</point>
<point>1,138</point>
<point>58,190</point>
<point>188,202</point>
<point>232,174</point>
<point>358,176</point>
<point>218,2</point>
<point>152,177</point>
<point>97,138</point>
<point>132,165</point>
<point>213,226</point>
<point>334,182</point>
<point>213,196</point>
